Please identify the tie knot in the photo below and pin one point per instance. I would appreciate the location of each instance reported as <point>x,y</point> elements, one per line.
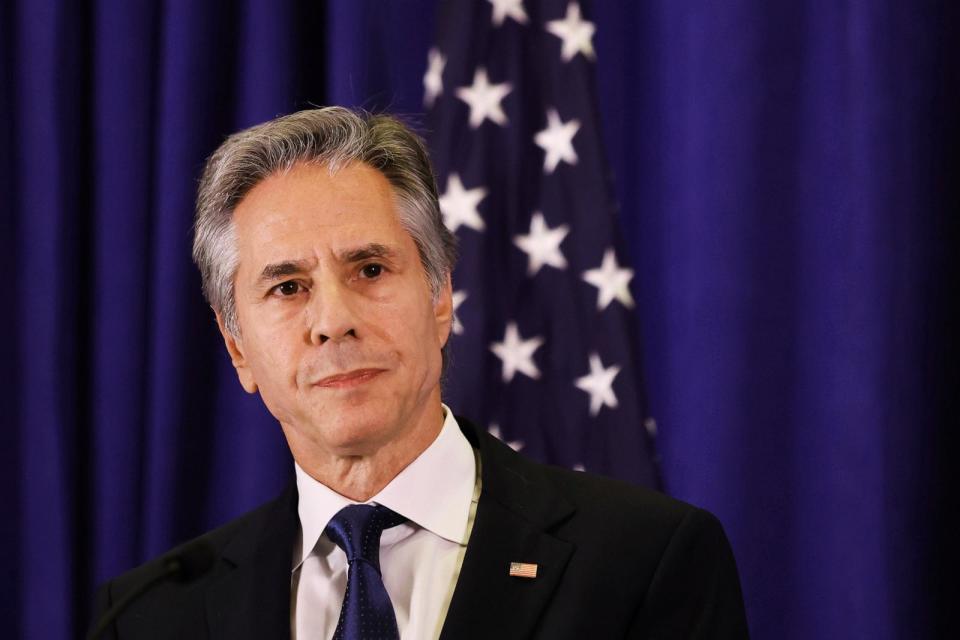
<point>357,527</point>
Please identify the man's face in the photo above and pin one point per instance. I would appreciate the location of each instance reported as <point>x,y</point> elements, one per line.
<point>338,327</point>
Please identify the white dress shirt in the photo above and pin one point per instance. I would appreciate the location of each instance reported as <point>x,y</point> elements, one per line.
<point>420,559</point>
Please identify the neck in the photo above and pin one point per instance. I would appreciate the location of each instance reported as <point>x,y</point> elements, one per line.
<point>361,476</point>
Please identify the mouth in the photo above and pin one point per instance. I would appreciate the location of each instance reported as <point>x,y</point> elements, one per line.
<point>349,379</point>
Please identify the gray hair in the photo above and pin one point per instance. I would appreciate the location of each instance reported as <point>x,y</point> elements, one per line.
<point>333,137</point>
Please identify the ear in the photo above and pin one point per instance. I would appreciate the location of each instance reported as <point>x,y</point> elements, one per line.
<point>443,312</point>
<point>235,349</point>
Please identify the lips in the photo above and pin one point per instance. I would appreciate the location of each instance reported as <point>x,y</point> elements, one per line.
<point>349,379</point>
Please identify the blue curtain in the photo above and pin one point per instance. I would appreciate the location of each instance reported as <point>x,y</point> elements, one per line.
<point>784,171</point>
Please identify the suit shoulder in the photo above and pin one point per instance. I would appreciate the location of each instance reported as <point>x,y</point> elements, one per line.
<point>595,493</point>
<point>262,538</point>
<point>621,513</point>
<point>665,539</point>
<point>218,539</point>
<point>598,503</point>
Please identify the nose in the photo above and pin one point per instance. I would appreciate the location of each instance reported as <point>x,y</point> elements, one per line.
<point>330,314</point>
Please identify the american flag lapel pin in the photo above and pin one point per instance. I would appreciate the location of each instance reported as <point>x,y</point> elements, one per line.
<point>523,570</point>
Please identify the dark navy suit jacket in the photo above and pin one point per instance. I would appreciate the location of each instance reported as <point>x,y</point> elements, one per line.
<point>614,561</point>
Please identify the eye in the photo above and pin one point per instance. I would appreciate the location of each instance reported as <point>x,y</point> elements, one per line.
<point>288,288</point>
<point>372,270</point>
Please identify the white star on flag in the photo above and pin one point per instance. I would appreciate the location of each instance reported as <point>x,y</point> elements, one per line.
<point>484,99</point>
<point>611,281</point>
<point>459,205</point>
<point>494,430</point>
<point>576,33</point>
<point>458,298</point>
<point>557,141</point>
<point>599,384</point>
<point>433,78</point>
<point>517,353</point>
<point>503,9</point>
<point>542,244</point>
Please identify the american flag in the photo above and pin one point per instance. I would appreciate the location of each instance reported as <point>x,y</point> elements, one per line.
<point>523,570</point>
<point>545,346</point>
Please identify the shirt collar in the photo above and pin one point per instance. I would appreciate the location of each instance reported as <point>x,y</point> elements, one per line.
<point>434,491</point>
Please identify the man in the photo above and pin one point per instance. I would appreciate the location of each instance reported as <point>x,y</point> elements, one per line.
<point>325,259</point>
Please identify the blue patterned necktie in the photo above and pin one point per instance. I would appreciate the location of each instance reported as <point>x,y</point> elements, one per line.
<point>367,612</point>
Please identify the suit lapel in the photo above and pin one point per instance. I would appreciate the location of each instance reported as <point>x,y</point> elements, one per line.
<point>252,597</point>
<point>516,512</point>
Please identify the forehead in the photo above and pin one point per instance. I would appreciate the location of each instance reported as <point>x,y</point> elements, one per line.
<point>308,210</point>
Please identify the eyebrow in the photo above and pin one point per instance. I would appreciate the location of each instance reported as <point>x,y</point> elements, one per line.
<point>279,270</point>
<point>372,250</point>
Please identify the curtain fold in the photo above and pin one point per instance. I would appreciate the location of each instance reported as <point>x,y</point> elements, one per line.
<point>781,168</point>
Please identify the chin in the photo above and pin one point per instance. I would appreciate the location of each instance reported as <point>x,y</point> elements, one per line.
<point>355,432</point>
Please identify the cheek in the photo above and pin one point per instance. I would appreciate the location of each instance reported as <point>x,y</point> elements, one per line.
<point>406,336</point>
<point>276,373</point>
<point>275,362</point>
<point>426,342</point>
